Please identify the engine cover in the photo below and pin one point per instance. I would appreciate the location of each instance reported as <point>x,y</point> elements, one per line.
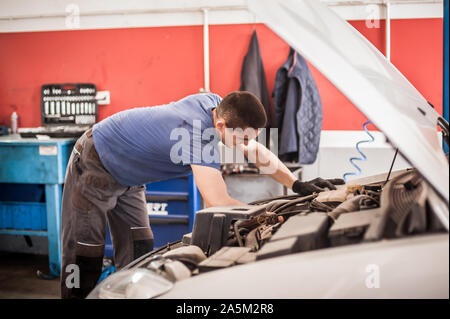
<point>212,225</point>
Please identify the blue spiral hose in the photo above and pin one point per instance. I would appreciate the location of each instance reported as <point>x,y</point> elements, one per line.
<point>363,156</point>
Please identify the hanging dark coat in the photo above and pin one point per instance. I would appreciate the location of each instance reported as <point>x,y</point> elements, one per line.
<point>253,77</point>
<point>297,111</point>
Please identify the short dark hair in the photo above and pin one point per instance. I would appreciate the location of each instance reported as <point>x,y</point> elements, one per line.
<point>241,109</point>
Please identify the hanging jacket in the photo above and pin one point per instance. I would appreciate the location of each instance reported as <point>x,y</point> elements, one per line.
<point>297,111</point>
<point>253,77</point>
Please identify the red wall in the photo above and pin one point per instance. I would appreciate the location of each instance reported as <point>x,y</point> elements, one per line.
<point>150,66</point>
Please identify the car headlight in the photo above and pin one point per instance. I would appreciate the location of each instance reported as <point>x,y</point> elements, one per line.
<point>137,283</point>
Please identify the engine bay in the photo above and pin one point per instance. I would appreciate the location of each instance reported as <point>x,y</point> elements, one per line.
<point>228,236</point>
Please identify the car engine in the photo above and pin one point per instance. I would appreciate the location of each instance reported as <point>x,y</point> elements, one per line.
<point>229,236</point>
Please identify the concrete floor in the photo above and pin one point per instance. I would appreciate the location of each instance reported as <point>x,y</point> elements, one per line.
<point>18,279</point>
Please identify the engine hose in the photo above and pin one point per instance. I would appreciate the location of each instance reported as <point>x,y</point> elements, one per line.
<point>236,232</point>
<point>290,213</point>
<point>352,205</point>
<point>363,156</point>
<point>267,200</point>
<point>294,202</point>
<point>275,204</point>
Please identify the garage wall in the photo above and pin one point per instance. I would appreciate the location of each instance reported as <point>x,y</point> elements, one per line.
<point>156,65</point>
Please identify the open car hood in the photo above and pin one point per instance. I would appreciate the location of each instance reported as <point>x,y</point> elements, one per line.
<point>363,74</point>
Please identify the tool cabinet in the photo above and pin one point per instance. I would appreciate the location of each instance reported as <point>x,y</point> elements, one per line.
<point>171,206</point>
<point>32,174</point>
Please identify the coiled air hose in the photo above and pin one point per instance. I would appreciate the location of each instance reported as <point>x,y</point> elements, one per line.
<point>363,156</point>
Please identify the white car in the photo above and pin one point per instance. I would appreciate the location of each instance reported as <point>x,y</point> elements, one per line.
<point>380,237</point>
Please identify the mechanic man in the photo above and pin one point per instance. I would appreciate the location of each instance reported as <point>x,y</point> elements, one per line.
<point>112,161</point>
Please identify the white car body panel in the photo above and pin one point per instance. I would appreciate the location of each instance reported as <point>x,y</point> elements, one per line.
<point>414,267</point>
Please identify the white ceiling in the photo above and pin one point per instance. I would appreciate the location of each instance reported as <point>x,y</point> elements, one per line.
<point>43,15</point>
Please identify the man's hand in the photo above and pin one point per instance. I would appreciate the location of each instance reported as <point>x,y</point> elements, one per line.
<point>316,185</point>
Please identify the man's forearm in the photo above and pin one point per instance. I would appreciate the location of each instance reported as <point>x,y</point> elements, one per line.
<point>229,201</point>
<point>212,187</point>
<point>270,164</point>
<point>283,175</point>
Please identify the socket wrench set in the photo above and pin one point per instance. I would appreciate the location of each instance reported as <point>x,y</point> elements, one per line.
<point>69,104</point>
<point>67,110</point>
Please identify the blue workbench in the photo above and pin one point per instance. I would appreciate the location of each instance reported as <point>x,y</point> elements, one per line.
<point>33,161</point>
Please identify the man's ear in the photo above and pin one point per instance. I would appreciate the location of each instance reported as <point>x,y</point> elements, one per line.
<point>220,124</point>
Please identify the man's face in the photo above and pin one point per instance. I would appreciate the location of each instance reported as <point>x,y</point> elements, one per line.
<point>233,137</point>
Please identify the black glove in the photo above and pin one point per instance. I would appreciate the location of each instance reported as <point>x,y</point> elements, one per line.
<point>327,183</point>
<point>316,185</point>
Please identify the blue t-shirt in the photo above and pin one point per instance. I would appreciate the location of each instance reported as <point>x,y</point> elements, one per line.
<point>147,144</point>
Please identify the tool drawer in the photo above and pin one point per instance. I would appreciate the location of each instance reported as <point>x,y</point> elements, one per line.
<point>171,207</point>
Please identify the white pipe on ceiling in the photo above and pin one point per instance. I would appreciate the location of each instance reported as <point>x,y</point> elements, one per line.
<point>388,30</point>
<point>205,50</point>
<point>18,16</point>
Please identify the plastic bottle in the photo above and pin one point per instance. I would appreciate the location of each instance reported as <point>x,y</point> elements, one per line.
<point>14,121</point>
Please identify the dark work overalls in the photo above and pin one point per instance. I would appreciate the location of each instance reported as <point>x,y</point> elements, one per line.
<point>91,199</point>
